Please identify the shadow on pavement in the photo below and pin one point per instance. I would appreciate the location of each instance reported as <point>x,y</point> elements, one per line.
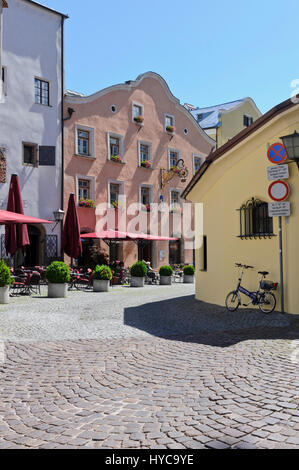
<point>190,320</point>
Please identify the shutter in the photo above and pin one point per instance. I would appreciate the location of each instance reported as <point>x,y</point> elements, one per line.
<point>47,155</point>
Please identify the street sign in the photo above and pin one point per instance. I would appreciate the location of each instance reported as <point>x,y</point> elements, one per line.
<point>279,172</point>
<point>279,209</point>
<point>279,191</point>
<point>277,153</point>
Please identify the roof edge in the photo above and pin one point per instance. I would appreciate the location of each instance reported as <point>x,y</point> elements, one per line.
<point>47,8</point>
<point>260,122</point>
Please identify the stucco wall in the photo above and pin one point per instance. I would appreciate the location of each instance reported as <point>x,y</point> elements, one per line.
<point>229,182</point>
<point>31,48</point>
<point>95,113</point>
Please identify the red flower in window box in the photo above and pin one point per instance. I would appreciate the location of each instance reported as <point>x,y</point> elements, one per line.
<point>146,164</point>
<point>170,129</point>
<point>87,203</point>
<point>116,158</point>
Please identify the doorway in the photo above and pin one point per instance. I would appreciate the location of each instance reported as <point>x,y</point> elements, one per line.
<point>145,250</point>
<point>32,255</point>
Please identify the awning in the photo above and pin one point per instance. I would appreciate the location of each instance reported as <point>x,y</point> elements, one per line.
<point>7,217</point>
<point>125,236</point>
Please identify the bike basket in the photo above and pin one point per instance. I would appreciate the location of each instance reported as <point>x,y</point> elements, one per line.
<point>269,285</point>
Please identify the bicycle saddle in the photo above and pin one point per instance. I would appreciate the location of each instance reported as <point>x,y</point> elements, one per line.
<point>264,273</point>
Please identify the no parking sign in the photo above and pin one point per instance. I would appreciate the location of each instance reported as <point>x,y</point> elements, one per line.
<point>277,153</point>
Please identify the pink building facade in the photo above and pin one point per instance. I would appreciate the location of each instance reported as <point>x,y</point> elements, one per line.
<point>122,147</point>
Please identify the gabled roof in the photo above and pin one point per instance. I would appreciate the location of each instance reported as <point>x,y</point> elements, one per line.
<point>248,131</point>
<point>46,8</point>
<point>210,117</point>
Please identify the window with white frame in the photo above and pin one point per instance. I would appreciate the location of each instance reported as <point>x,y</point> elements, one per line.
<point>42,91</point>
<point>84,187</point>
<point>247,120</point>
<point>197,162</point>
<point>137,111</point>
<point>169,123</point>
<point>115,147</point>
<point>174,197</point>
<point>115,191</point>
<point>174,157</point>
<point>145,154</point>
<point>84,141</point>
<point>145,195</point>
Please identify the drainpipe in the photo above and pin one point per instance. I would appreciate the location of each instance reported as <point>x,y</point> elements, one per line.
<point>62,132</point>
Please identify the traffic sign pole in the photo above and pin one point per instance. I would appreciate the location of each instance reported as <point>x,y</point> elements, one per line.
<point>281,266</point>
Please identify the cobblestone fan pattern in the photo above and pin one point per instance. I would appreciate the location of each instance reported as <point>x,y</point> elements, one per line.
<point>234,389</point>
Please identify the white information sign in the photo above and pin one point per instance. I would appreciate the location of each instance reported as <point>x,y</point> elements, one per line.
<point>279,209</point>
<point>278,172</point>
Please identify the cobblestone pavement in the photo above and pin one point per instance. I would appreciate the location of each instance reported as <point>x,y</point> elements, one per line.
<point>234,386</point>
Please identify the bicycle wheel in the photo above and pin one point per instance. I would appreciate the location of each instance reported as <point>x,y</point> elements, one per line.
<point>232,301</point>
<point>267,302</point>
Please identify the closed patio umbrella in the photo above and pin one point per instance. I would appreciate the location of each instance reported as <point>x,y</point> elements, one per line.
<point>16,235</point>
<point>71,241</point>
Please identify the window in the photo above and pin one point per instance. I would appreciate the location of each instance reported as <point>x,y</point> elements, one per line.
<point>174,198</point>
<point>114,146</point>
<point>84,189</point>
<point>137,110</point>
<point>145,195</point>
<point>29,154</point>
<point>145,154</point>
<point>114,193</point>
<point>197,162</point>
<point>255,221</point>
<point>199,117</point>
<point>42,95</point>
<point>84,141</point>
<point>247,120</point>
<point>169,121</point>
<point>174,157</point>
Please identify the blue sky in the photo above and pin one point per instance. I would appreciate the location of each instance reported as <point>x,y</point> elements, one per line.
<point>208,52</point>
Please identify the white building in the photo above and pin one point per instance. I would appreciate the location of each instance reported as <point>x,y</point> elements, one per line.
<point>31,118</point>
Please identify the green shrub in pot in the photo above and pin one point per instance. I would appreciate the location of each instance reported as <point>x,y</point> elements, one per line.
<point>5,281</point>
<point>102,273</point>
<point>138,272</point>
<point>189,270</point>
<point>166,273</point>
<point>58,275</point>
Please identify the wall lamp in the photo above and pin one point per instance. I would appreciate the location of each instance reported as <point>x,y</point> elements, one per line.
<point>71,112</point>
<point>58,217</point>
<point>291,144</point>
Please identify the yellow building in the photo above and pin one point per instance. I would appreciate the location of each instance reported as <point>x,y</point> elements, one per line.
<point>228,179</point>
<point>223,121</point>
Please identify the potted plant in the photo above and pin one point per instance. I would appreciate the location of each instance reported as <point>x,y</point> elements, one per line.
<point>166,273</point>
<point>138,272</point>
<point>58,276</point>
<point>139,119</point>
<point>5,281</point>
<point>116,158</point>
<point>102,276</point>
<point>170,129</point>
<point>189,274</point>
<point>146,164</point>
<point>87,203</point>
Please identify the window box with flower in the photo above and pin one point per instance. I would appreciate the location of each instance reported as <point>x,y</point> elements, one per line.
<point>146,164</point>
<point>176,209</point>
<point>139,120</point>
<point>116,158</point>
<point>170,129</point>
<point>146,207</point>
<point>87,203</point>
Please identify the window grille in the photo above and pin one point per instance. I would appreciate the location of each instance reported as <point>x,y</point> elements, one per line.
<point>255,221</point>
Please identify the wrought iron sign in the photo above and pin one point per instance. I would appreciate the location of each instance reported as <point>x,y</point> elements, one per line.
<point>179,170</point>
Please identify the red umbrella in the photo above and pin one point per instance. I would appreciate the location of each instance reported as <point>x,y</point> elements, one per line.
<point>71,241</point>
<point>16,235</point>
<point>7,218</point>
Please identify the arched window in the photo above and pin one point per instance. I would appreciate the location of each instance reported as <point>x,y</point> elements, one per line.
<point>255,221</point>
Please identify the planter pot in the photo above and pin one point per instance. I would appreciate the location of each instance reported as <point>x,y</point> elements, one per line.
<point>188,279</point>
<point>4,295</point>
<point>137,281</point>
<point>57,291</point>
<point>165,280</point>
<point>100,285</point>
